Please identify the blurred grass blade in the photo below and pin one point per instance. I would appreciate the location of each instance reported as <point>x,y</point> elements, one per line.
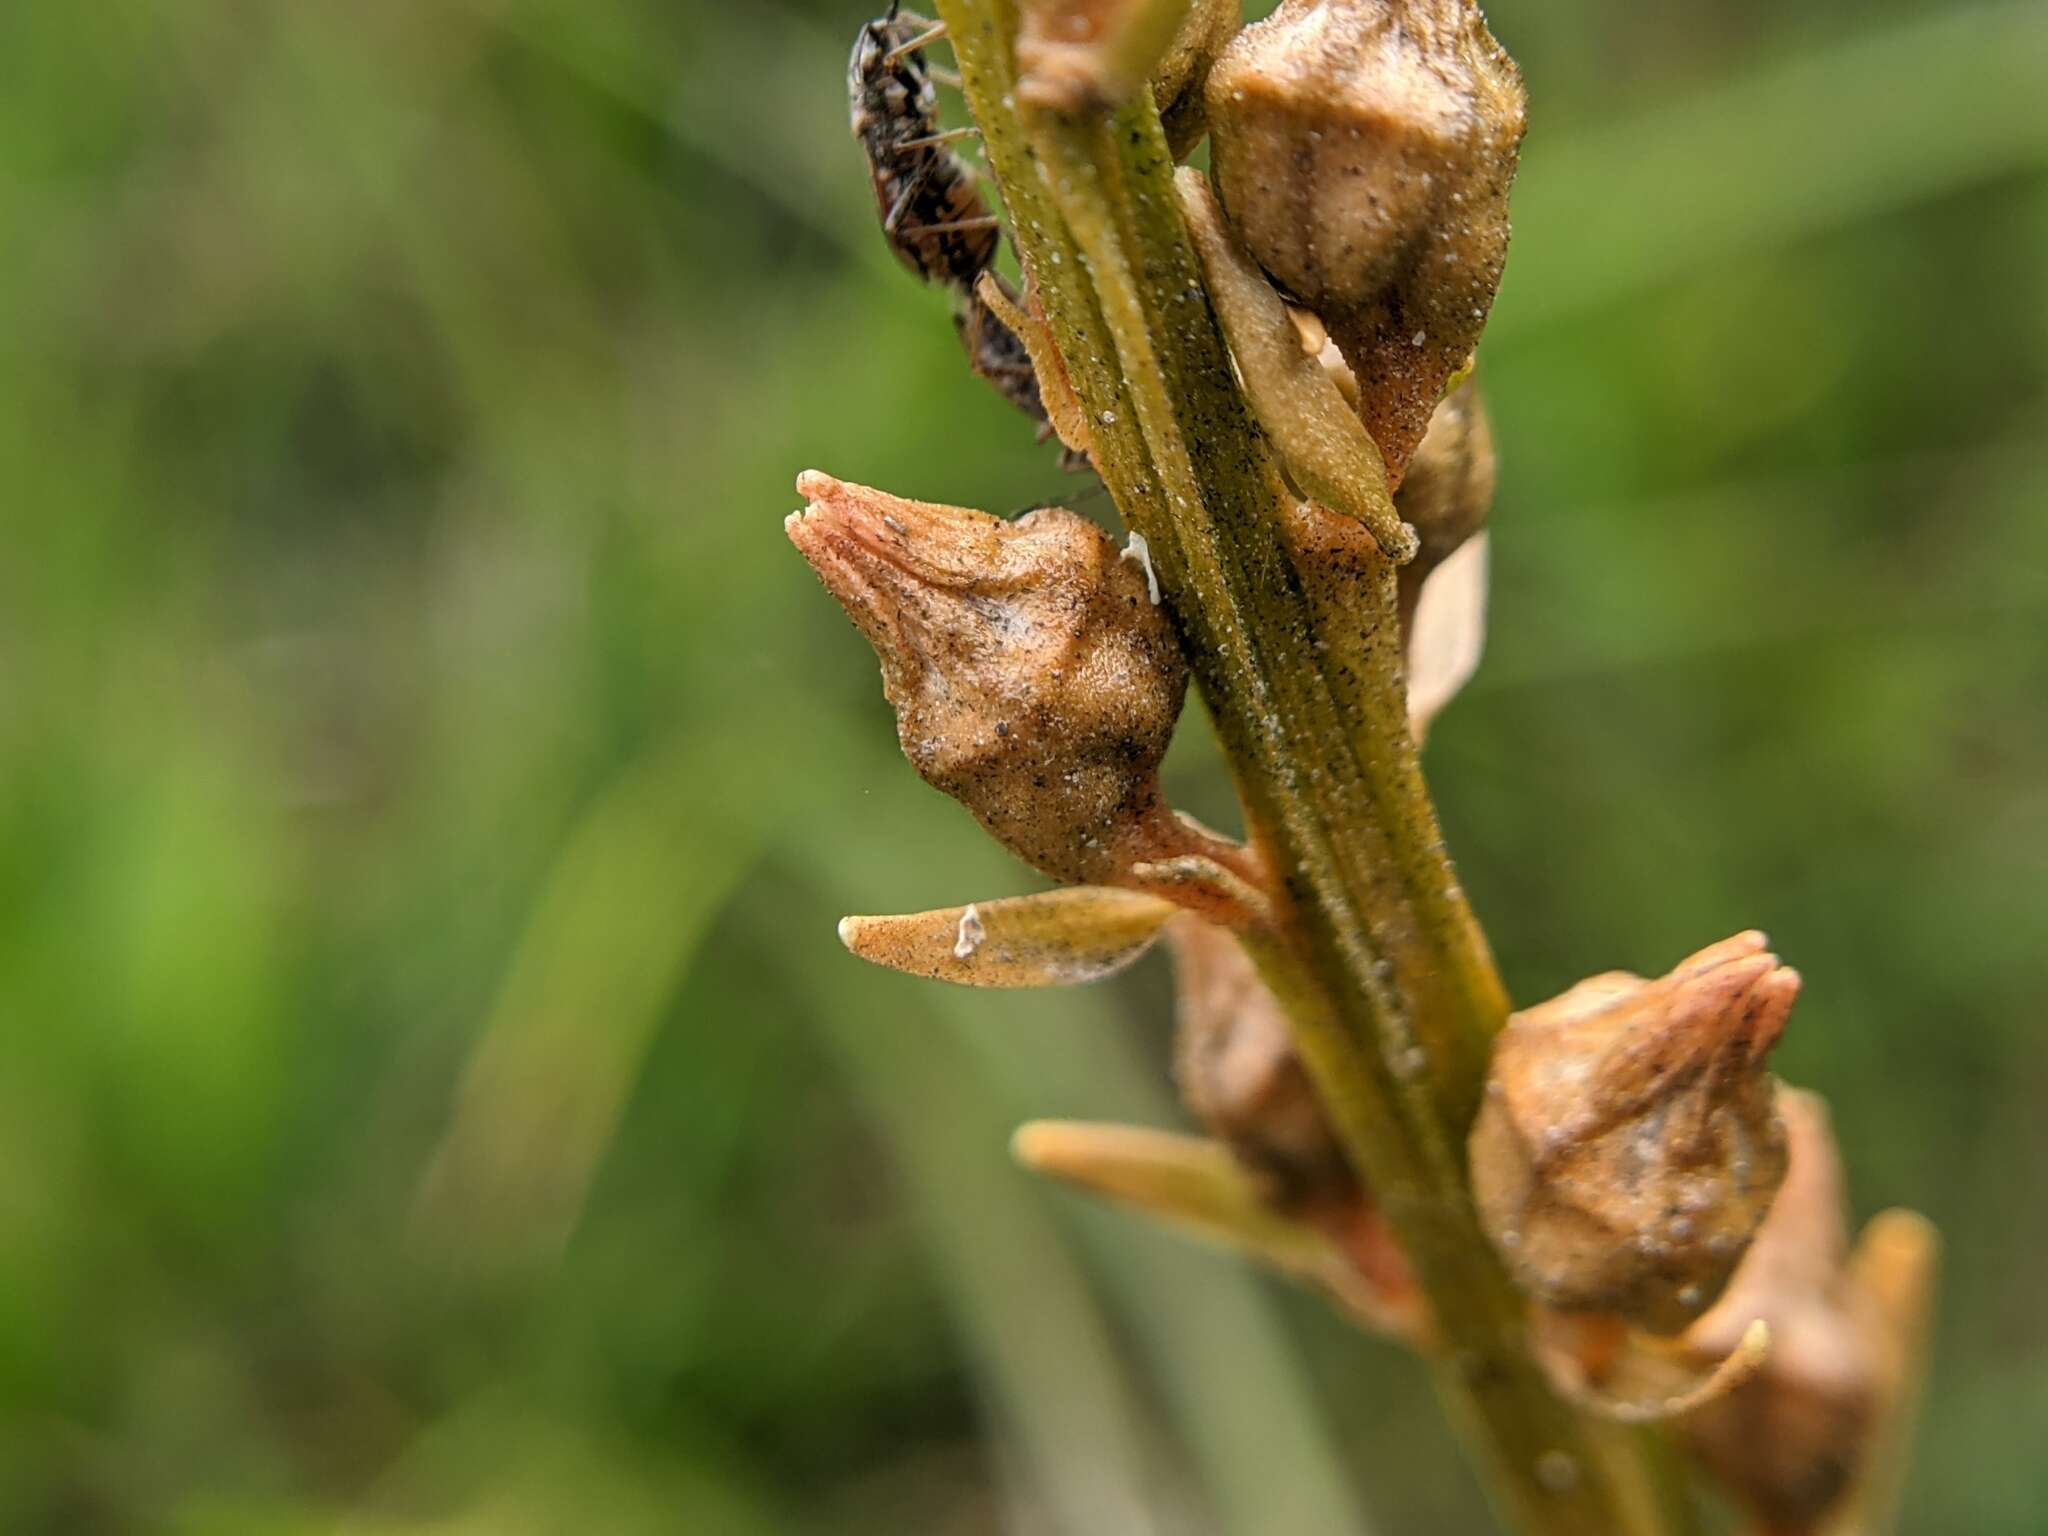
<point>1030,1319</point>
<point>1886,117</point>
<point>631,895</point>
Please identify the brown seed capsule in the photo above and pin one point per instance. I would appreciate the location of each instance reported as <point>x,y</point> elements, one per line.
<point>1035,678</point>
<point>1364,150</point>
<point>1629,1144</point>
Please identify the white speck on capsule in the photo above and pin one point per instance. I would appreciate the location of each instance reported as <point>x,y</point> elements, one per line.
<point>1137,549</point>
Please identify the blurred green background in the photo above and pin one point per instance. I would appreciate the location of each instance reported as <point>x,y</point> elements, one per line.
<point>432,1099</point>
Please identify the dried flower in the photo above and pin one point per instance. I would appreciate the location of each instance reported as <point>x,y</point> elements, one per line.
<point>1364,150</point>
<point>1792,1440</point>
<point>1034,680</point>
<point>1629,1143</point>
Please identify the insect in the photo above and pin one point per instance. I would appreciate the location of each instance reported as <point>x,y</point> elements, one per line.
<point>933,214</point>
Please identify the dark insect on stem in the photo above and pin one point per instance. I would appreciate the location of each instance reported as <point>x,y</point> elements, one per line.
<point>933,214</point>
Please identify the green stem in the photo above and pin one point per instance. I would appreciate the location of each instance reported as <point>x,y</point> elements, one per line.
<point>1375,953</point>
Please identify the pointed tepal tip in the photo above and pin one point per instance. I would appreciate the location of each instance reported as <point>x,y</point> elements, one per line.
<point>1770,1004</point>
<point>816,485</point>
<point>1033,1144</point>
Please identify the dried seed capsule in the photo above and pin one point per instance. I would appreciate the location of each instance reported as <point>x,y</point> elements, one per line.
<point>1364,150</point>
<point>1629,1144</point>
<point>1034,679</point>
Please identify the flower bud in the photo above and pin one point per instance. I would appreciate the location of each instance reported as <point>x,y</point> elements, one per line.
<point>1629,1143</point>
<point>1364,150</point>
<point>1034,679</point>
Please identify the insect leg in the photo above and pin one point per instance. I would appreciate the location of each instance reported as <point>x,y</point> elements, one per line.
<point>944,226</point>
<point>951,135</point>
<point>932,33</point>
<point>910,189</point>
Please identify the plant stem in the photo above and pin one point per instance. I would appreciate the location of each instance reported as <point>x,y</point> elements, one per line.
<point>1374,953</point>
